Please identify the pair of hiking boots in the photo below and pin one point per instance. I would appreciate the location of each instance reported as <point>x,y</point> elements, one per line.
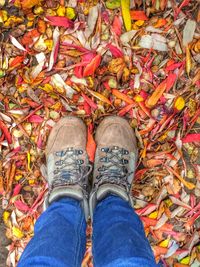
<point>68,166</point>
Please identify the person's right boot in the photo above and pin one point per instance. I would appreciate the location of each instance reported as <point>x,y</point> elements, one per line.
<point>115,161</point>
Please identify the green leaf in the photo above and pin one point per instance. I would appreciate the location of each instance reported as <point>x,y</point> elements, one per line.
<point>112,4</point>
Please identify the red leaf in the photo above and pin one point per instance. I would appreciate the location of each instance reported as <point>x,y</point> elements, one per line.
<point>89,101</point>
<point>87,108</point>
<point>56,52</point>
<point>182,5</point>
<point>78,71</point>
<point>138,15</point>
<point>191,138</point>
<point>91,145</point>
<point>92,66</point>
<point>60,21</point>
<point>174,66</point>
<point>170,81</point>
<point>6,132</point>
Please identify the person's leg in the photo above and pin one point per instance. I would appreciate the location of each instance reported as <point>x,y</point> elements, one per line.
<point>60,237</point>
<point>60,231</point>
<point>118,236</point>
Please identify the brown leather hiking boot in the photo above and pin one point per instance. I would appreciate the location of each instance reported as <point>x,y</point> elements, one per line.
<point>115,160</point>
<point>67,162</point>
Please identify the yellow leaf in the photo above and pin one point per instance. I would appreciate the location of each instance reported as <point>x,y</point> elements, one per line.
<point>57,106</point>
<point>61,11</point>
<point>38,10</point>
<point>6,216</point>
<point>17,232</point>
<point>18,177</point>
<point>153,215</point>
<point>139,23</point>
<point>49,44</point>
<point>3,15</point>
<point>168,202</point>
<point>185,260</point>
<point>188,60</point>
<point>31,181</point>
<point>30,24</point>
<point>164,243</point>
<point>47,88</point>
<point>179,103</point>
<point>29,161</point>
<point>70,13</point>
<point>13,21</point>
<point>138,98</point>
<point>125,6</point>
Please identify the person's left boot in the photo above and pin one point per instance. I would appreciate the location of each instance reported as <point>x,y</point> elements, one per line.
<point>67,162</point>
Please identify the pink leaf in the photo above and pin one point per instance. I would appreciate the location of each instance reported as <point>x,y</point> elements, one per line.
<point>191,138</point>
<point>117,26</point>
<point>21,205</point>
<point>36,119</point>
<point>17,189</point>
<point>60,21</point>
<point>115,51</point>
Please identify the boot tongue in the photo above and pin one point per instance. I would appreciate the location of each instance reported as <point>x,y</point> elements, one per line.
<point>113,165</point>
<point>65,165</point>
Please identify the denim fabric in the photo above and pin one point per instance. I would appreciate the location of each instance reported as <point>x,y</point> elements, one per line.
<point>118,236</point>
<point>59,240</point>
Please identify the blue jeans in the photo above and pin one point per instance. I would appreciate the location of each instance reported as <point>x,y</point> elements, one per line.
<point>60,236</point>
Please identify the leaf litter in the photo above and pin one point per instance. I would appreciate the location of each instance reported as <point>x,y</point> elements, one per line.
<point>137,59</point>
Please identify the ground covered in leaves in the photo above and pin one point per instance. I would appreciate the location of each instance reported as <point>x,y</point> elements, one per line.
<point>137,59</point>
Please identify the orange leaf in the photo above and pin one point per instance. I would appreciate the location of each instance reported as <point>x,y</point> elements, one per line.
<point>138,15</point>
<point>16,61</point>
<point>152,101</point>
<point>189,185</point>
<point>159,251</point>
<point>176,264</point>
<point>92,66</point>
<point>160,23</point>
<point>126,109</point>
<point>91,145</point>
<point>122,96</point>
<point>1,185</point>
<point>100,97</point>
<point>26,4</point>
<point>165,85</point>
